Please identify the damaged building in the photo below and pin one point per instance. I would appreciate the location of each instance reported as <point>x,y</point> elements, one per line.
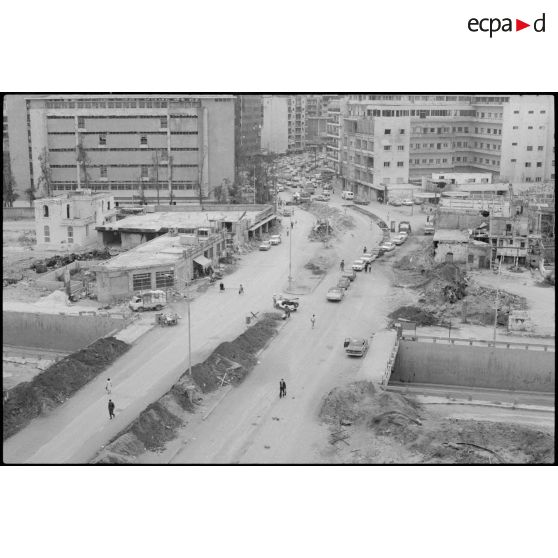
<point>455,246</point>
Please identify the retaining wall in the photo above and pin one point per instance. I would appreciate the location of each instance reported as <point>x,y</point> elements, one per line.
<point>55,331</point>
<point>483,367</point>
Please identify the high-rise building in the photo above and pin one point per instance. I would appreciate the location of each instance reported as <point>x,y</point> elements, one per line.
<point>275,128</point>
<point>297,123</point>
<point>141,148</point>
<point>248,125</point>
<point>391,139</point>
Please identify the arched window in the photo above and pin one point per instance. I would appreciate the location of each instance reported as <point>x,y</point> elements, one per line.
<point>45,210</point>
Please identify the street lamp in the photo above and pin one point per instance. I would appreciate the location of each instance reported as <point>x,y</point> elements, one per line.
<point>290,253</point>
<point>187,298</point>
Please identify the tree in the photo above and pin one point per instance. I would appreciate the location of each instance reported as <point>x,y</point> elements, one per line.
<point>45,178</point>
<point>155,173</point>
<point>143,201</point>
<point>8,186</point>
<point>235,193</point>
<point>83,160</point>
<point>30,193</point>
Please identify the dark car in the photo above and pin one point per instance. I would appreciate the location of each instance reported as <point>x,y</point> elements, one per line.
<point>344,283</point>
<point>349,274</point>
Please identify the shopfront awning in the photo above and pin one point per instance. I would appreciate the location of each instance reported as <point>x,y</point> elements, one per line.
<point>203,261</point>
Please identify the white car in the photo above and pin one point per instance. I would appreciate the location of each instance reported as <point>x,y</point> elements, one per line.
<point>265,245</point>
<point>398,239</point>
<point>358,265</point>
<point>368,258</point>
<point>406,201</point>
<point>388,246</point>
<point>275,239</point>
<point>335,294</point>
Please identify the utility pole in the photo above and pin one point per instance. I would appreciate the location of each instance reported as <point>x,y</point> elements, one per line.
<point>496,304</point>
<point>290,254</point>
<point>189,332</point>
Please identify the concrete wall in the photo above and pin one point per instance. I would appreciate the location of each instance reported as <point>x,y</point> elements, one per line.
<point>55,331</point>
<point>483,367</point>
<point>18,213</point>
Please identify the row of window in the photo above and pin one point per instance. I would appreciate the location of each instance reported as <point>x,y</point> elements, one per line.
<point>69,186</point>
<point>120,165</point>
<point>127,133</point>
<point>121,103</point>
<point>530,112</point>
<point>163,151</point>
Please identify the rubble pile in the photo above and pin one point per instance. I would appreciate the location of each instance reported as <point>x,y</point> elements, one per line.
<point>338,221</point>
<point>54,262</point>
<point>228,365</point>
<point>383,427</point>
<point>60,381</point>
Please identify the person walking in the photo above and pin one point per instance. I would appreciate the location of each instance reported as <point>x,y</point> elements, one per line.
<point>364,251</point>
<point>111,409</point>
<point>287,312</point>
<point>292,225</point>
<point>313,320</point>
<point>241,289</point>
<point>282,388</point>
<point>274,301</point>
<point>108,386</point>
<point>342,265</point>
<point>221,287</point>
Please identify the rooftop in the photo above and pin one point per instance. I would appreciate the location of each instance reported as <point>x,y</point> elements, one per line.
<point>450,235</point>
<point>163,250</point>
<point>160,221</point>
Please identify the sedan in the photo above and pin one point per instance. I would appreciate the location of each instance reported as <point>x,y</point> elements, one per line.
<point>321,197</point>
<point>275,239</point>
<point>388,246</point>
<point>406,201</point>
<point>368,258</point>
<point>358,265</point>
<point>399,239</point>
<point>265,245</point>
<point>356,346</point>
<point>335,294</point>
<point>344,283</point>
<point>349,274</point>
<point>395,202</point>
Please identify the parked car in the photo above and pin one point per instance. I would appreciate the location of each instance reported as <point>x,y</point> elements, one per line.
<point>321,197</point>
<point>358,265</point>
<point>265,245</point>
<point>404,226</point>
<point>388,246</point>
<point>344,283</point>
<point>349,274</point>
<point>395,202</point>
<point>290,303</point>
<point>418,201</point>
<point>378,251</point>
<point>406,201</point>
<point>429,228</point>
<point>368,257</point>
<point>356,346</point>
<point>275,239</point>
<point>398,239</point>
<point>335,294</point>
<point>347,195</point>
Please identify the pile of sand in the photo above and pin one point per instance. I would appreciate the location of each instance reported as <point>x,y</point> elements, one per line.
<point>157,424</point>
<point>55,385</point>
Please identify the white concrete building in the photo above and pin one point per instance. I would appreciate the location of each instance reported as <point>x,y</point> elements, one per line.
<point>69,221</point>
<point>275,129</point>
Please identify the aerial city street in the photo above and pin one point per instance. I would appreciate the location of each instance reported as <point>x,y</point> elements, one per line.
<point>276,279</point>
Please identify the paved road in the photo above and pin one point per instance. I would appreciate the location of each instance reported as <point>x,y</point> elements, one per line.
<point>252,425</point>
<point>74,432</point>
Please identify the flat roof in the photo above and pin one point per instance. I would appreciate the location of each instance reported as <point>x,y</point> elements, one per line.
<point>155,222</point>
<point>130,96</point>
<point>450,235</point>
<point>163,250</point>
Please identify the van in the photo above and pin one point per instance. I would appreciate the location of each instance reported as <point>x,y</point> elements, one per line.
<point>347,195</point>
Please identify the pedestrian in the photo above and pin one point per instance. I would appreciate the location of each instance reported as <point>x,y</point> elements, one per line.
<point>111,409</point>
<point>342,265</point>
<point>287,312</point>
<point>313,320</point>
<point>292,225</point>
<point>221,287</point>
<point>274,301</point>
<point>369,267</point>
<point>365,250</point>
<point>282,388</point>
<point>241,289</point>
<point>108,386</point>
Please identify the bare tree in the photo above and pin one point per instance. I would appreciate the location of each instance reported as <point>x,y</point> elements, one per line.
<point>8,185</point>
<point>83,161</point>
<point>45,178</point>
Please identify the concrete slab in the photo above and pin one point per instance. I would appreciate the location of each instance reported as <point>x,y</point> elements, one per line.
<point>378,356</point>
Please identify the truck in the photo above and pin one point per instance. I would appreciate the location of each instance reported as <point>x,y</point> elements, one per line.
<point>305,197</point>
<point>148,300</point>
<point>429,228</point>
<point>404,226</point>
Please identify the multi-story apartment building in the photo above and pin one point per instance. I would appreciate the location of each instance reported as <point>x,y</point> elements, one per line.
<point>317,119</point>
<point>275,128</point>
<point>297,122</point>
<point>166,148</point>
<point>248,125</point>
<point>387,139</point>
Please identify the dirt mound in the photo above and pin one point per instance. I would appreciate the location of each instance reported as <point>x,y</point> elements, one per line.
<point>415,314</point>
<point>55,385</point>
<point>337,220</point>
<point>229,363</point>
<point>319,265</point>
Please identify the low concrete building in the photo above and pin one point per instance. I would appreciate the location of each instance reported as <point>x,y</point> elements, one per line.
<point>239,223</point>
<point>509,238</point>
<point>69,220</point>
<point>455,246</point>
<point>167,262</point>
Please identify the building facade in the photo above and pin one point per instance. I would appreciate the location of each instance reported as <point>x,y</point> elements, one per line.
<point>275,129</point>
<point>138,147</point>
<point>248,125</point>
<point>387,139</point>
<point>69,221</point>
